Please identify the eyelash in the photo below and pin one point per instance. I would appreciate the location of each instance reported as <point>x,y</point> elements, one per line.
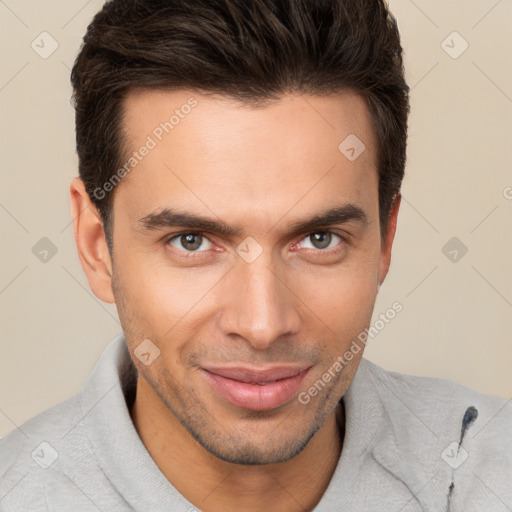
<point>195,254</point>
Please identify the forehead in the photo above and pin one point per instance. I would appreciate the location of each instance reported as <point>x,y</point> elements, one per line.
<point>211,152</point>
<point>159,113</point>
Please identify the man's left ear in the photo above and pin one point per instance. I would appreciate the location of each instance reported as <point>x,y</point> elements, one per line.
<point>387,242</point>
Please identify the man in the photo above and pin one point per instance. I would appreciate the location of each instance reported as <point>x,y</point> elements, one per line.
<point>240,173</point>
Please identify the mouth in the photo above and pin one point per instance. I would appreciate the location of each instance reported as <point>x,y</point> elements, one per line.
<point>256,389</point>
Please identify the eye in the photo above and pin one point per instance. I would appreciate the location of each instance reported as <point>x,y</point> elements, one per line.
<point>322,240</point>
<point>189,242</point>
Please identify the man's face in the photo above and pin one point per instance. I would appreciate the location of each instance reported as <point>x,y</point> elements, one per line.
<point>264,295</point>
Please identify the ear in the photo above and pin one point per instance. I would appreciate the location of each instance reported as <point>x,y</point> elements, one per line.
<point>91,243</point>
<point>387,242</point>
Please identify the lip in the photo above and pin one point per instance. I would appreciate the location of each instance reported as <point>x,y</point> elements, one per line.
<point>256,389</point>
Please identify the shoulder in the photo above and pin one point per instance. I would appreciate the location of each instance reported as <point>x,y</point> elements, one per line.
<point>470,432</point>
<point>46,456</point>
<point>50,424</point>
<point>436,431</point>
<point>28,452</point>
<point>438,397</point>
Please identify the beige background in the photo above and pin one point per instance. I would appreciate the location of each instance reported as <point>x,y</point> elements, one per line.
<point>457,316</point>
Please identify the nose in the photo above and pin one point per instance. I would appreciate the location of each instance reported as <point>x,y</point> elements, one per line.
<point>259,305</point>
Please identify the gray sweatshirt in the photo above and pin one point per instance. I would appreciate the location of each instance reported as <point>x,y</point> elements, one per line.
<point>411,444</point>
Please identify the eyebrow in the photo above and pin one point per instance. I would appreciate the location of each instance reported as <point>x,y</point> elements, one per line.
<point>169,217</point>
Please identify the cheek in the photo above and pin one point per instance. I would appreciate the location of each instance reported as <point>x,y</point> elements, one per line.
<point>165,297</point>
<point>342,300</point>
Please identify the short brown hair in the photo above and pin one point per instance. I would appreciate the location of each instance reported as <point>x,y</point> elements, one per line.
<point>251,50</point>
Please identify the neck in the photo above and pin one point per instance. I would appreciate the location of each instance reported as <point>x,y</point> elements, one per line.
<point>215,485</point>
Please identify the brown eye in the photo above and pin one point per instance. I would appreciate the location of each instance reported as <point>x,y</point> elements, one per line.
<point>322,239</point>
<point>189,242</point>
